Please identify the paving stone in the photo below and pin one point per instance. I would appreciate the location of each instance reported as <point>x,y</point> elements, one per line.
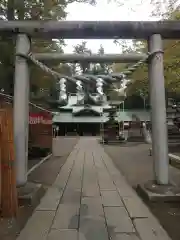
<point>125,236</point>
<point>93,229</point>
<point>111,199</point>
<point>66,234</point>
<point>63,176</point>
<point>90,181</point>
<point>71,196</point>
<point>110,165</point>
<point>90,186</point>
<point>124,189</point>
<point>75,179</point>
<point>99,170</point>
<point>74,183</point>
<point>91,207</point>
<point>61,181</point>
<point>90,190</point>
<point>92,221</point>
<point>149,229</point>
<point>104,179</point>
<point>105,182</point>
<point>106,185</point>
<point>99,164</point>
<point>118,220</point>
<point>67,217</point>
<point>119,180</point>
<point>136,207</point>
<point>90,175</point>
<point>51,199</point>
<point>37,226</point>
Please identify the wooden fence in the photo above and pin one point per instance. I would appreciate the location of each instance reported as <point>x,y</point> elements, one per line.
<point>8,191</point>
<point>40,135</point>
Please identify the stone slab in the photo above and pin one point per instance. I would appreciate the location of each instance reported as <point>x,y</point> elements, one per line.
<point>155,197</point>
<point>124,189</point>
<point>67,217</point>
<point>90,190</point>
<point>135,207</point>
<point>51,200</point>
<point>90,181</point>
<point>88,215</point>
<point>66,234</point>
<point>38,226</point>
<point>118,220</point>
<point>111,199</point>
<point>71,196</point>
<point>30,194</point>
<point>106,186</point>
<point>75,182</point>
<point>91,207</point>
<point>92,221</point>
<point>63,176</point>
<point>125,236</point>
<point>92,229</point>
<point>113,171</point>
<point>148,229</point>
<point>105,182</point>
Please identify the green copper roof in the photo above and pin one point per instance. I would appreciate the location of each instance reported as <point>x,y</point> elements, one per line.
<point>121,116</point>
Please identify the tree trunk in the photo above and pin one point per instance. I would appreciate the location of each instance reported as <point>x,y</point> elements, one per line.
<point>10,10</point>
<point>20,9</point>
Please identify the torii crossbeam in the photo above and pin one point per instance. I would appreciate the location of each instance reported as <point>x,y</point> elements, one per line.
<point>93,29</point>
<point>152,31</point>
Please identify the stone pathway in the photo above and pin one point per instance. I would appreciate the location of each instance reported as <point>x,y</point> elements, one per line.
<point>91,200</point>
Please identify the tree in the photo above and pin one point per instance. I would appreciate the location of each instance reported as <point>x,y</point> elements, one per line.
<point>82,48</point>
<point>13,9</point>
<point>139,79</point>
<point>103,67</point>
<point>29,10</point>
<point>164,8</point>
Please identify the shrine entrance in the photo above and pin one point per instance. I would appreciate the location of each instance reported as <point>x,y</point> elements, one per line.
<point>88,129</point>
<point>153,32</point>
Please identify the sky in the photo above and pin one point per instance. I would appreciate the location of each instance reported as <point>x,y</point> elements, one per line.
<point>132,10</point>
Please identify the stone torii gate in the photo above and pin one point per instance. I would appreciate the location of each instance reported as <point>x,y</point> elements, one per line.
<point>153,32</point>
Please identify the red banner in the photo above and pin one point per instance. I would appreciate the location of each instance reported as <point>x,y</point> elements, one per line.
<point>40,118</point>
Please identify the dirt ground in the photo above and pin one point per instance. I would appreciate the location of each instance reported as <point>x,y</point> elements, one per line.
<point>46,175</point>
<point>133,161</point>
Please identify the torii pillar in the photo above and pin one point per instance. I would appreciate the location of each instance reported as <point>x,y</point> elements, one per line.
<point>21,109</point>
<point>158,110</point>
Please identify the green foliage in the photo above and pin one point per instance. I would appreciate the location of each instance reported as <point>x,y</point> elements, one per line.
<point>90,68</point>
<point>139,79</point>
<point>164,8</point>
<point>82,49</point>
<point>31,10</point>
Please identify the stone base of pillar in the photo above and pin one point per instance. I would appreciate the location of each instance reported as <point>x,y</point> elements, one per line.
<point>159,193</point>
<point>30,194</point>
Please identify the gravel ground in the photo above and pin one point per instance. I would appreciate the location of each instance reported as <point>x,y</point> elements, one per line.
<point>133,161</point>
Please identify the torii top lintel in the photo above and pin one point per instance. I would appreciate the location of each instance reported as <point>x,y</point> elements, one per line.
<point>93,29</point>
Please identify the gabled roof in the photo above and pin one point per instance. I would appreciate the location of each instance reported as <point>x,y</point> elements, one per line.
<point>69,118</point>
<point>88,110</point>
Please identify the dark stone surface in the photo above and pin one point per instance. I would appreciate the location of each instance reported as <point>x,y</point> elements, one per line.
<point>30,194</point>
<point>158,193</point>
